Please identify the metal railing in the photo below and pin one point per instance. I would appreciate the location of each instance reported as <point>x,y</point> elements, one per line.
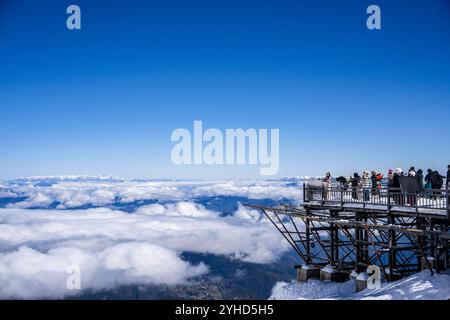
<point>428,201</point>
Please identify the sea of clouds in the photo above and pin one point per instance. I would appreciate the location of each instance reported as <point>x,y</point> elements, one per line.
<point>48,225</point>
<point>73,193</point>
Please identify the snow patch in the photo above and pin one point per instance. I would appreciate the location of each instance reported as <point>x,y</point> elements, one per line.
<point>421,286</point>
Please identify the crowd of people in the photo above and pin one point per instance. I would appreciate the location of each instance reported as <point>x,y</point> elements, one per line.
<point>370,183</point>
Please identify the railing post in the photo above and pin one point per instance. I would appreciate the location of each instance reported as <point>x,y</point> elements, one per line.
<point>447,198</point>
<point>364,197</point>
<point>304,192</point>
<point>416,200</point>
<point>404,199</point>
<point>323,195</point>
<point>388,200</point>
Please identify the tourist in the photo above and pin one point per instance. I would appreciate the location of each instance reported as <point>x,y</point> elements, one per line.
<point>440,183</point>
<point>398,196</point>
<point>390,177</point>
<point>366,184</point>
<point>429,183</point>
<point>326,184</point>
<point>419,178</point>
<point>373,179</point>
<point>379,178</point>
<point>356,180</point>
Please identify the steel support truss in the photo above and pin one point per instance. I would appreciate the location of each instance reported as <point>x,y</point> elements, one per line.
<point>400,245</point>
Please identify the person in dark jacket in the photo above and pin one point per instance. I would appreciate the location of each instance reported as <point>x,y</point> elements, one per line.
<point>431,179</point>
<point>436,181</point>
<point>390,177</point>
<point>373,179</point>
<point>428,183</point>
<point>396,187</point>
<point>419,178</point>
<point>356,180</point>
<point>343,182</point>
<point>439,179</point>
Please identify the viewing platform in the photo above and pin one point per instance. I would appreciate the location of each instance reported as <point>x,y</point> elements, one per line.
<point>340,231</point>
<point>431,202</point>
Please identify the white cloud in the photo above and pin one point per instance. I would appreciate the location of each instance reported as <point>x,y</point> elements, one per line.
<point>184,209</point>
<point>72,193</point>
<point>38,199</point>
<point>28,273</point>
<point>113,247</point>
<point>248,214</point>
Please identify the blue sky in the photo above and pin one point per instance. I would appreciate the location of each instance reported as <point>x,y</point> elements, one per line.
<point>105,99</point>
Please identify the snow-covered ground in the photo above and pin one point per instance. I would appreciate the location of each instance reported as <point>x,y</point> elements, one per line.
<point>421,286</point>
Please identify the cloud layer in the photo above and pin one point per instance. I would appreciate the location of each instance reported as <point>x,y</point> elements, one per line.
<point>72,193</point>
<point>30,274</point>
<point>114,248</point>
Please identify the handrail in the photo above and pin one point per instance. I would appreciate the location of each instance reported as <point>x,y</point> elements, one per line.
<point>427,199</point>
<point>448,199</point>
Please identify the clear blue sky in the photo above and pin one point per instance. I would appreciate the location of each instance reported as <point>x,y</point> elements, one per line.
<point>105,99</point>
